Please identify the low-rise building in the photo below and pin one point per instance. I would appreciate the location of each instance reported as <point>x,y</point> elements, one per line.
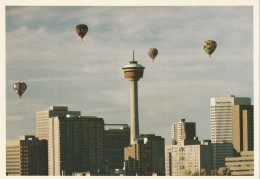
<point>242,165</point>
<point>26,156</point>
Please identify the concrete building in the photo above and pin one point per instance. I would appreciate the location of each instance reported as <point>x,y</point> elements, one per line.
<point>75,145</point>
<point>116,138</point>
<point>133,72</point>
<point>183,131</point>
<point>188,157</point>
<point>221,126</point>
<point>26,156</point>
<point>243,128</point>
<point>146,156</point>
<point>242,165</point>
<point>42,118</point>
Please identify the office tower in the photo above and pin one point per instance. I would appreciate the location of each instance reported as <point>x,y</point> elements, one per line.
<point>75,145</point>
<point>42,118</point>
<point>133,72</point>
<point>26,156</point>
<point>116,138</point>
<point>243,128</point>
<point>183,131</point>
<point>146,156</point>
<point>242,165</point>
<point>184,156</point>
<point>221,126</point>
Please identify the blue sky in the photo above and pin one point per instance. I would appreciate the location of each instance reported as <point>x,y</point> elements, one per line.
<point>44,51</point>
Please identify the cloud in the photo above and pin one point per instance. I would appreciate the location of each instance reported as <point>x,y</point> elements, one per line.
<point>43,50</point>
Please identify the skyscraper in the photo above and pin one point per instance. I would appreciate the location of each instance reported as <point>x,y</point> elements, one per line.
<point>183,131</point>
<point>42,118</point>
<point>26,156</point>
<point>221,126</point>
<point>243,128</point>
<point>75,145</point>
<point>116,137</point>
<point>133,72</point>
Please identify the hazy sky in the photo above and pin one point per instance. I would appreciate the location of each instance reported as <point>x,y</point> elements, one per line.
<point>44,51</point>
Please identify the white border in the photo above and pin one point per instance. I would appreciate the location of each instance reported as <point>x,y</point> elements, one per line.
<point>4,3</point>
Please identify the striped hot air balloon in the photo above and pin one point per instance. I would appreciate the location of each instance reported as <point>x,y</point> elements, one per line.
<point>209,46</point>
<point>81,30</point>
<point>20,88</point>
<point>152,52</point>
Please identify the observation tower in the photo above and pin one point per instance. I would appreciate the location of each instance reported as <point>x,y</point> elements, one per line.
<point>133,72</point>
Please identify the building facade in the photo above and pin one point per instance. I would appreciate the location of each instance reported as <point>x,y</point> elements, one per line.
<point>221,126</point>
<point>183,131</point>
<point>242,165</point>
<point>184,157</point>
<point>116,138</point>
<point>146,156</point>
<point>42,118</point>
<point>75,145</point>
<point>243,128</point>
<point>26,156</point>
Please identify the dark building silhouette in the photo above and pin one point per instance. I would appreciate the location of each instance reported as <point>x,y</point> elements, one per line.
<point>116,137</point>
<point>75,145</point>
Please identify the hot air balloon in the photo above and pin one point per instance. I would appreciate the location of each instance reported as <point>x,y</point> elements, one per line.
<point>152,52</point>
<point>20,88</point>
<point>81,30</point>
<point>209,46</point>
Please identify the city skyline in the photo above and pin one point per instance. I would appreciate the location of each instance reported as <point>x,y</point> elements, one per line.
<point>60,69</point>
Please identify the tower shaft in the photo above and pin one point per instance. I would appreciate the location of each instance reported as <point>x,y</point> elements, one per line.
<point>134,111</point>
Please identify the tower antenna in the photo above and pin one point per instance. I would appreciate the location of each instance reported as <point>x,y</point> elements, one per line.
<point>133,55</point>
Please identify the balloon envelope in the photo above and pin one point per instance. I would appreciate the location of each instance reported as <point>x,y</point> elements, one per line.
<point>152,52</point>
<point>20,88</point>
<point>81,30</point>
<point>209,46</point>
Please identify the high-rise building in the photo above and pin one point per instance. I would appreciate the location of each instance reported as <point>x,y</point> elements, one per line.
<point>133,72</point>
<point>188,156</point>
<point>243,128</point>
<point>26,156</point>
<point>221,126</point>
<point>116,138</point>
<point>146,156</point>
<point>75,145</point>
<point>42,118</point>
<point>183,131</point>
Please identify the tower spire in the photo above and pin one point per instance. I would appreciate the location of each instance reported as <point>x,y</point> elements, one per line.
<point>133,55</point>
